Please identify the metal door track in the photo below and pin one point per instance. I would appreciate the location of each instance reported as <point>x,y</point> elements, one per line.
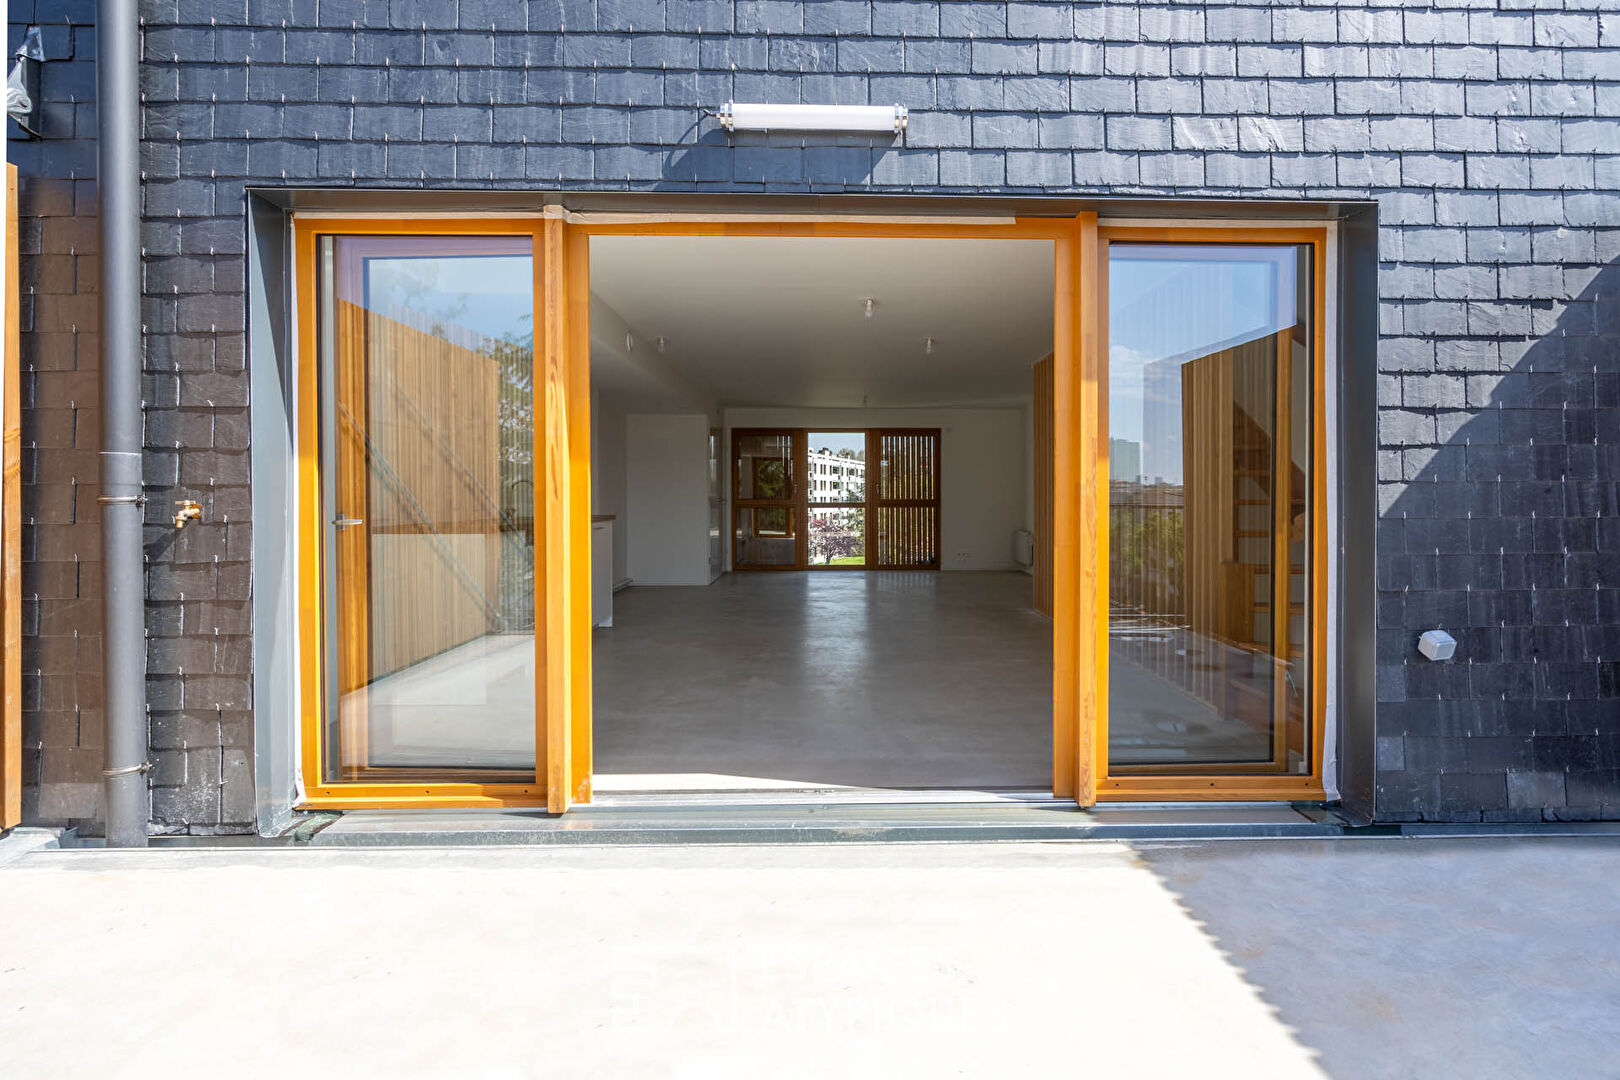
<point>823,823</point>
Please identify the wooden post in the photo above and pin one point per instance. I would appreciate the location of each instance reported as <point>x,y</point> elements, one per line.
<point>10,534</point>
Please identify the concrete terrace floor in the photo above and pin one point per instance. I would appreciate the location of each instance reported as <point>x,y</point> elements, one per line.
<point>1358,958</point>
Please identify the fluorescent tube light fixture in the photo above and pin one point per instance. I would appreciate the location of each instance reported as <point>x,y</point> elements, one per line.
<point>744,116</point>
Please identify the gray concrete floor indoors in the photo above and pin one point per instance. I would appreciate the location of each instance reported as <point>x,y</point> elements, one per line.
<point>828,679</point>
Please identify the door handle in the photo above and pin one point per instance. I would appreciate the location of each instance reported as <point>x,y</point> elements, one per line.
<point>342,522</point>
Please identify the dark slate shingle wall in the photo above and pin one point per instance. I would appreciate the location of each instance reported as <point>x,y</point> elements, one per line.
<point>1490,137</point>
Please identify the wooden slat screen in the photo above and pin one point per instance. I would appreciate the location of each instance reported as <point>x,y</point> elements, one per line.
<point>903,499</point>
<point>1045,448</point>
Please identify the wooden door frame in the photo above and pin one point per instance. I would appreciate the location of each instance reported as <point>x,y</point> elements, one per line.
<point>562,512</point>
<point>555,447</point>
<point>11,772</point>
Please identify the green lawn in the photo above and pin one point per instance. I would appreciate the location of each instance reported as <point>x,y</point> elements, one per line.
<point>847,560</point>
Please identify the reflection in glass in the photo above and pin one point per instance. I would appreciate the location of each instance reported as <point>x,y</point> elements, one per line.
<point>429,434</point>
<point>765,467</point>
<point>765,519</point>
<point>1209,372</point>
<point>765,536</point>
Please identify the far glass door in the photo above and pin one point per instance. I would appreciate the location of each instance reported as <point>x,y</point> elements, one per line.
<point>765,500</point>
<point>428,438</point>
<point>904,498</point>
<point>835,491</point>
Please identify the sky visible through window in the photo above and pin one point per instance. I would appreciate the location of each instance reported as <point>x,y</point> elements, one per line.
<point>492,295</point>
<point>834,441</point>
<point>1168,304</point>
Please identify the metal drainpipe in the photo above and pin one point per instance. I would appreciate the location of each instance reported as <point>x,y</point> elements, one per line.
<point>124,594</point>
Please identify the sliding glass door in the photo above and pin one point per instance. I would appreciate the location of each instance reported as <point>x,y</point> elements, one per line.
<point>835,471</point>
<point>1211,355</point>
<point>765,500</point>
<point>905,499</point>
<point>427,348</point>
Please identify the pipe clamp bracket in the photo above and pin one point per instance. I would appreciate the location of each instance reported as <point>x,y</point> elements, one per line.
<point>138,500</point>
<point>145,766</point>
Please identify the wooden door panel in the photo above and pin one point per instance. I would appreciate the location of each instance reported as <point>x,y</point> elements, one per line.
<point>904,500</point>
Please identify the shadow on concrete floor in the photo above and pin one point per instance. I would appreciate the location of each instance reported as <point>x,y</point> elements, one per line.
<point>1433,958</point>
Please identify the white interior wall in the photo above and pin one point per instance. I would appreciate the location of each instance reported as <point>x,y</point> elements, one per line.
<point>667,498</point>
<point>982,471</point>
<point>608,476</point>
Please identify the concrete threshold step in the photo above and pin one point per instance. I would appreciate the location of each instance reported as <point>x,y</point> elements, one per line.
<point>821,824</point>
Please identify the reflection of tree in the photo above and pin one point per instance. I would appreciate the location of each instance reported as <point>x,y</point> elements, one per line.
<point>770,478</point>
<point>514,356</point>
<point>1148,542</point>
<point>773,521</point>
<point>837,536</point>
<point>416,284</point>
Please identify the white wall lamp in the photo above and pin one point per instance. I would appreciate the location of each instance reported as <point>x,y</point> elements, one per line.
<point>744,116</point>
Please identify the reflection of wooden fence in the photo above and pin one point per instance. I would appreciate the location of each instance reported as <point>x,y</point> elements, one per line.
<point>1191,565</point>
<point>434,520</point>
<point>1229,414</point>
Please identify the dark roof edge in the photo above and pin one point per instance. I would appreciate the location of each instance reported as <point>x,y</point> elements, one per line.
<point>444,200</point>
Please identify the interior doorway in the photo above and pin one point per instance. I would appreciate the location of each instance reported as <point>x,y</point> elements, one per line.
<point>876,400</point>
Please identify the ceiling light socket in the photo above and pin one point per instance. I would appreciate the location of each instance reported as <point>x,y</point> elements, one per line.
<point>867,302</point>
<point>928,346</point>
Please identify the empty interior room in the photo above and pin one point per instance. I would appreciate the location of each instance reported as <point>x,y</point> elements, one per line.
<point>815,493</point>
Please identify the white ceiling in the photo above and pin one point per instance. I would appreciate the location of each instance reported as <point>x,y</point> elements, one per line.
<point>778,321</point>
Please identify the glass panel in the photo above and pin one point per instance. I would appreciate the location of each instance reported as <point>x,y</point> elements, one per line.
<point>1208,376</point>
<point>837,461</point>
<point>765,536</point>
<point>765,467</point>
<point>428,342</point>
<point>838,536</point>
